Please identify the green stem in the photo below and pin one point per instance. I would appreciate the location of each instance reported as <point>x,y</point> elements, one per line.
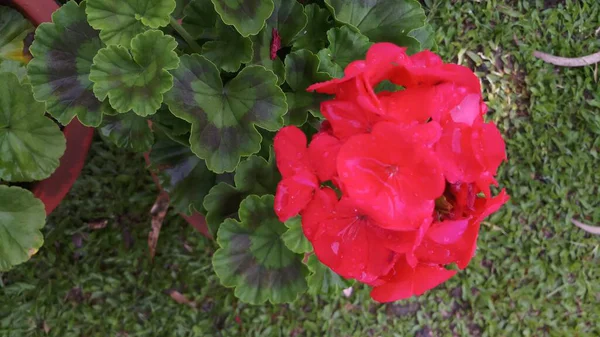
<point>186,36</point>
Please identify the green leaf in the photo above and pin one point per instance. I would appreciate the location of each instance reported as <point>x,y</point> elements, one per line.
<point>119,21</point>
<point>21,217</point>
<point>345,46</point>
<point>294,238</point>
<point>128,131</point>
<point>254,175</point>
<point>313,37</point>
<point>230,49</point>
<point>383,20</point>
<point>224,117</point>
<point>247,16</point>
<point>288,18</point>
<point>136,81</point>
<point>173,127</point>
<point>30,143</point>
<point>253,258</point>
<point>200,19</point>
<point>261,54</point>
<point>301,70</point>
<point>59,72</point>
<point>183,175</point>
<point>13,29</point>
<point>426,37</point>
<point>16,68</point>
<point>323,280</point>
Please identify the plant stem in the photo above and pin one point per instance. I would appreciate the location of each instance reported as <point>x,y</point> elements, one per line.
<point>186,36</point>
<point>568,62</point>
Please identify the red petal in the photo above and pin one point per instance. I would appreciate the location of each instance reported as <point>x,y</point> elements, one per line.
<point>351,244</point>
<point>318,210</point>
<point>290,151</point>
<point>347,118</point>
<point>294,193</point>
<point>404,281</point>
<point>323,151</point>
<point>448,231</point>
<point>395,180</point>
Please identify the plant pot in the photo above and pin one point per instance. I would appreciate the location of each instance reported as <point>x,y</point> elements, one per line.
<point>79,138</point>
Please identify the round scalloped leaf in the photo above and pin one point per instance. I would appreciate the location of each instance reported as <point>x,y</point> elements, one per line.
<point>13,29</point>
<point>200,19</point>
<point>183,175</point>
<point>128,131</point>
<point>253,257</point>
<point>247,16</point>
<point>294,237</point>
<point>119,21</point>
<point>426,37</point>
<point>288,18</point>
<point>229,50</point>
<point>59,72</point>
<point>254,175</point>
<point>21,217</point>
<point>16,68</point>
<point>313,36</point>
<point>323,280</point>
<point>301,70</point>
<point>383,20</point>
<point>261,54</point>
<point>136,83</point>
<point>224,118</point>
<point>345,46</point>
<point>171,126</point>
<point>30,143</point>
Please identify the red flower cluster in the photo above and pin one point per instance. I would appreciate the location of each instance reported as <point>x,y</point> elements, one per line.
<point>395,184</point>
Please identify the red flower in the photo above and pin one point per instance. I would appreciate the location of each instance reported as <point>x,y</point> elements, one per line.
<point>406,170</point>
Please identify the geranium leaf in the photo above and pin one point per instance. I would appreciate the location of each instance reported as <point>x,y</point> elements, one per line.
<point>313,36</point>
<point>224,118</point>
<point>247,16</point>
<point>288,18</point>
<point>383,20</point>
<point>119,21</point>
<point>253,257</point>
<point>30,143</point>
<point>59,72</point>
<point>183,175</point>
<point>426,37</point>
<point>13,29</point>
<point>200,19</point>
<point>294,238</point>
<point>261,54</point>
<point>170,125</point>
<point>323,280</point>
<point>180,7</point>
<point>254,175</point>
<point>16,68</point>
<point>230,49</point>
<point>136,81</point>
<point>128,131</point>
<point>345,46</point>
<point>301,70</point>
<point>21,217</point>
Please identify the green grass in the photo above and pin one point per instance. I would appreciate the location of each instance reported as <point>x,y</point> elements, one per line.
<point>535,274</point>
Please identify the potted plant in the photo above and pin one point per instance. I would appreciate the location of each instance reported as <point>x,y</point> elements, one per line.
<point>224,96</point>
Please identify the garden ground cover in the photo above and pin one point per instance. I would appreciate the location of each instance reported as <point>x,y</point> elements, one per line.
<point>535,274</point>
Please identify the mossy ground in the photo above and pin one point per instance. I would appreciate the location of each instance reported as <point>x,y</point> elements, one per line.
<point>535,274</point>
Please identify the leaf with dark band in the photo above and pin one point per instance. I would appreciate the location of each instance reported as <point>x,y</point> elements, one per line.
<point>254,259</point>
<point>224,117</point>
<point>247,16</point>
<point>59,72</point>
<point>128,131</point>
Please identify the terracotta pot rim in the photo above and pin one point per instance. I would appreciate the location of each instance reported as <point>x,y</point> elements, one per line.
<point>79,138</point>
